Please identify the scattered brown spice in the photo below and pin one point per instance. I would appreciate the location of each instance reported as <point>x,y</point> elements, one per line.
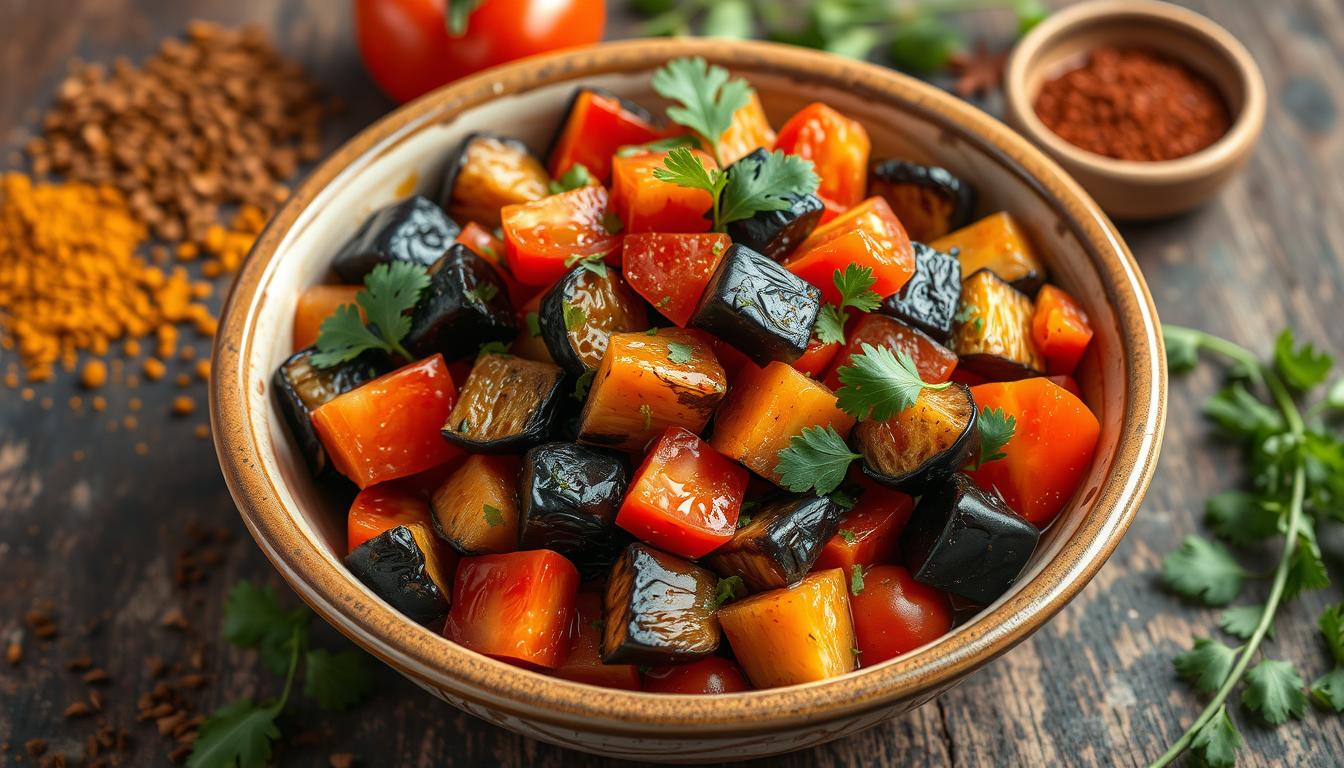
<point>14,651</point>
<point>202,431</point>
<point>182,380</point>
<point>78,663</point>
<point>175,619</point>
<point>77,455</point>
<point>99,403</point>
<point>341,760</point>
<point>35,747</point>
<point>203,370</point>
<point>978,72</point>
<point>75,402</point>
<point>78,709</point>
<point>142,448</point>
<point>129,422</point>
<point>187,353</point>
<point>183,405</point>
<point>27,393</point>
<point>95,676</point>
<point>46,403</point>
<point>93,375</point>
<point>154,369</point>
<point>41,623</point>
<point>134,404</point>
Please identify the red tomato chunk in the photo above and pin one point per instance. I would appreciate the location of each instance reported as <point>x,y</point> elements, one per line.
<point>597,126</point>
<point>381,508</point>
<point>894,614</point>
<point>516,607</point>
<point>714,674</point>
<point>544,237</point>
<point>671,270</point>
<point>868,235</point>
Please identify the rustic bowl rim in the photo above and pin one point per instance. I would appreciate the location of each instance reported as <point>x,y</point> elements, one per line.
<point>1227,150</point>
<point>481,682</point>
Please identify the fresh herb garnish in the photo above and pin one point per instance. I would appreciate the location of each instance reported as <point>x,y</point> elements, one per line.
<point>743,520</point>
<point>533,321</point>
<point>577,176</point>
<point>706,97</point>
<point>996,429</point>
<point>680,353</point>
<point>482,293</point>
<point>493,516</point>
<point>728,590</point>
<point>592,263</point>
<point>582,384</point>
<point>494,348</point>
<point>740,193</point>
<point>663,302</point>
<point>612,223</point>
<point>878,385</point>
<point>573,315</point>
<point>856,290</point>
<point>816,459</point>
<point>847,535</point>
<point>390,290</point>
<point>856,579</point>
<point>458,13</point>
<point>647,413</point>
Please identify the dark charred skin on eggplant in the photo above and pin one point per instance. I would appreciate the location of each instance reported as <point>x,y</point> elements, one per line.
<point>569,495</point>
<point>992,336</point>
<point>930,201</point>
<point>604,305</point>
<point>658,609</point>
<point>414,230</point>
<point>487,172</point>
<point>780,544</point>
<point>775,234</point>
<point>759,307</point>
<point>505,406</point>
<point>401,567</point>
<point>966,541</point>
<point>300,387</point>
<point>920,447</point>
<point>466,305</point>
<point>929,300</point>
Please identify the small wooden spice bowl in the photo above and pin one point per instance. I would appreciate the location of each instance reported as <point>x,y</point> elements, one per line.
<point>1129,189</point>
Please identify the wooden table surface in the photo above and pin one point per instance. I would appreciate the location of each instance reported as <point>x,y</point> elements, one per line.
<point>96,540</point>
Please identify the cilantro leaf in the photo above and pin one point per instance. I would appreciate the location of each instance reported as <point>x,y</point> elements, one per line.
<point>577,176</point>
<point>1331,624</point>
<point>1182,347</point>
<point>728,590</point>
<point>856,579</point>
<point>343,337</point>
<point>582,384</point>
<point>816,459</point>
<point>1240,517</point>
<point>1306,569</point>
<point>830,327</point>
<point>390,290</point>
<point>706,97</point>
<point>1301,367</point>
<point>1328,690</point>
<point>1206,665</point>
<point>1029,14</point>
<point>1334,399</point>
<point>680,353</point>
<point>924,44</point>
<point>1217,741</point>
<point>573,315</point>
<point>1274,689</point>
<point>683,168</point>
<point>1240,621</point>
<point>855,285</point>
<point>494,348</point>
<point>533,321</point>
<point>1203,570</point>
<point>337,681</point>
<point>996,429</point>
<point>253,618</point>
<point>1236,410</point>
<point>238,734</point>
<point>458,15</point>
<point>846,497</point>
<point>847,535</point>
<point>878,385</point>
<point>481,294</point>
<point>593,263</point>
<point>769,185</point>
<point>493,516</point>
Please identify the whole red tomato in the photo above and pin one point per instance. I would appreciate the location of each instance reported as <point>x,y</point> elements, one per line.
<point>407,49</point>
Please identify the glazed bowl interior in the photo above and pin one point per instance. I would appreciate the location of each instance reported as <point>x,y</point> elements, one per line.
<point>302,530</point>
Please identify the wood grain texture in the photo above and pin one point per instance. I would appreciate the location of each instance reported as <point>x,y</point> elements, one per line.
<point>98,537</point>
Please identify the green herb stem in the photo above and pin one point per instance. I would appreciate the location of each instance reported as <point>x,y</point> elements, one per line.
<point>295,640</point>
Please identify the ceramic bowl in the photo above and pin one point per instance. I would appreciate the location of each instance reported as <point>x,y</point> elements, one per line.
<point>303,532</point>
<point>1128,189</point>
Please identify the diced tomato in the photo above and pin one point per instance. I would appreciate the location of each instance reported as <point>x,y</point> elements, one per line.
<point>749,131</point>
<point>1051,447</point>
<point>316,304</point>
<point>516,607</point>
<point>483,243</point>
<point>1061,329</point>
<point>836,145</point>
<point>685,497</point>
<point>934,362</point>
<point>1068,382</point>
<point>544,236</point>
<point>597,125</point>
<point>646,204</point>
<point>584,662</point>
<point>389,427</point>
<point>868,533</point>
<point>894,614</point>
<point>380,508</point>
<point>712,674</point>
<point>816,358</point>
<point>868,235</point>
<point>671,270</point>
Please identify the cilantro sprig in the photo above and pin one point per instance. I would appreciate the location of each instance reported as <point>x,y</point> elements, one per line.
<point>816,459</point>
<point>877,385</point>
<point>996,429</point>
<point>741,191</point>
<point>706,97</point>
<point>855,285</point>
<point>577,176</point>
<point>242,733</point>
<point>390,290</point>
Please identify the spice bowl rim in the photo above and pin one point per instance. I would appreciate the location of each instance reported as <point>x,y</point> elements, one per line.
<point>1228,149</point>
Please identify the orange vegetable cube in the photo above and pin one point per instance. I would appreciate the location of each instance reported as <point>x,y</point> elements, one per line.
<point>867,235</point>
<point>316,304</point>
<point>996,243</point>
<point>476,508</point>
<point>646,204</point>
<point>749,131</point>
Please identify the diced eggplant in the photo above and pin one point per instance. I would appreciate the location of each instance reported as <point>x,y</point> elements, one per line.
<point>402,566</point>
<point>487,172</point>
<point>929,300</point>
<point>466,305</point>
<point>579,313</point>
<point>300,387</point>
<point>505,405</point>
<point>993,335</point>
<point>759,307</point>
<point>997,243</point>
<point>775,233</point>
<point>569,497</point>
<point>659,609</point>
<point>928,200</point>
<point>920,447</point>
<point>780,544</point>
<point>414,230</point>
<point>476,508</point>
<point>966,541</point>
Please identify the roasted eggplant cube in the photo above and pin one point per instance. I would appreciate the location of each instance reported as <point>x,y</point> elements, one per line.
<point>658,609</point>
<point>486,173</point>
<point>919,448</point>
<point>780,544</point>
<point>992,336</point>
<point>505,406</point>
<point>414,230</point>
<point>775,233</point>
<point>581,312</point>
<point>569,496</point>
<point>929,301</point>
<point>402,566</point>
<point>300,387</point>
<point>476,508</point>
<point>466,305</point>
<point>966,541</point>
<point>759,307</point>
<point>929,201</point>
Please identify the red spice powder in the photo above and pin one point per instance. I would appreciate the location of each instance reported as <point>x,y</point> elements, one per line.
<point>1133,104</point>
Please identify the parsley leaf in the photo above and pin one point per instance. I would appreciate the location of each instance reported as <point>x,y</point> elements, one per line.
<point>494,348</point>
<point>1274,689</point>
<point>1306,569</point>
<point>1240,517</point>
<point>577,176</point>
<point>680,353</point>
<point>493,517</point>
<point>769,185</point>
<point>533,321</point>
<point>706,97</point>
<point>253,618</point>
<point>582,384</point>
<point>856,579</point>
<point>1240,621</point>
<point>573,315</point>
<point>1217,741</point>
<point>683,168</point>
<point>847,535</point>
<point>482,293</point>
<point>593,263</point>
<point>996,429</point>
<point>1206,665</point>
<point>1328,690</point>
<point>1302,367</point>
<point>390,290</point>
<point>855,285</point>
<point>1331,624</point>
<point>1203,570</point>
<point>239,734</point>
<point>1236,410</point>
<point>1182,347</point>
<point>816,459</point>
<point>728,590</point>
<point>337,681</point>
<point>878,385</point>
